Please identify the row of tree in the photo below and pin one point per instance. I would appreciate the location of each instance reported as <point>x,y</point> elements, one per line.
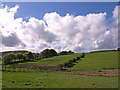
<point>70,62</point>
<point>17,57</point>
<point>66,52</point>
<point>51,52</point>
<point>11,58</point>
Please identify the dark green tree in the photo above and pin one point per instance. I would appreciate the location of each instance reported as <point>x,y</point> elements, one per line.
<point>29,56</point>
<point>20,56</point>
<point>45,53</point>
<point>8,58</point>
<point>52,52</point>
<point>70,52</point>
<point>36,56</point>
<point>63,53</point>
<point>118,49</point>
<point>48,53</point>
<point>66,52</point>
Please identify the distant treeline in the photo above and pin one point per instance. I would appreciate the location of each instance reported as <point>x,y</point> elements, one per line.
<point>7,52</point>
<point>12,57</point>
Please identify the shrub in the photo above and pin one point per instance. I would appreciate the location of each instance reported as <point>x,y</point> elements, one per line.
<point>78,58</point>
<point>74,60</point>
<point>60,66</point>
<point>70,61</point>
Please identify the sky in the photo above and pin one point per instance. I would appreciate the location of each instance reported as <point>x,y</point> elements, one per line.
<point>38,9</point>
<point>78,26</point>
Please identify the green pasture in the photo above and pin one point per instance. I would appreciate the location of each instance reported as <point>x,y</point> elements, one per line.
<point>29,66</point>
<point>92,61</point>
<point>55,80</point>
<point>97,61</point>
<point>56,60</point>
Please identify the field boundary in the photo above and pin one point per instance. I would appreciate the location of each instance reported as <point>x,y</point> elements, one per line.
<point>109,72</point>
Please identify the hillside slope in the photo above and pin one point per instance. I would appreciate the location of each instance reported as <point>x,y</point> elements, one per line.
<point>97,61</point>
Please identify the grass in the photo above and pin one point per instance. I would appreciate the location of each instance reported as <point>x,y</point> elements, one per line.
<point>97,61</point>
<point>28,68</point>
<point>56,60</point>
<point>92,61</point>
<point>55,80</point>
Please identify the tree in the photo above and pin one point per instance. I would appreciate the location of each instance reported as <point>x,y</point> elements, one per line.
<point>52,52</point>
<point>29,56</point>
<point>63,53</point>
<point>70,52</point>
<point>36,55</point>
<point>83,55</point>
<point>118,49</point>
<point>45,53</point>
<point>48,53</point>
<point>74,60</point>
<point>8,58</point>
<point>20,56</point>
<point>66,52</point>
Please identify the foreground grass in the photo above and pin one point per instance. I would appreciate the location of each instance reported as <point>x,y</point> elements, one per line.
<point>55,80</point>
<point>97,61</point>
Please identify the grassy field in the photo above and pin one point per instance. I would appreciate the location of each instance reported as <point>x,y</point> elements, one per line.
<point>55,80</point>
<point>56,60</point>
<point>35,65</point>
<point>97,61</point>
<point>92,61</point>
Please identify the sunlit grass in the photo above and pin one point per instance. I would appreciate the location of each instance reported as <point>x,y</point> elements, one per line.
<point>54,80</point>
<point>97,61</point>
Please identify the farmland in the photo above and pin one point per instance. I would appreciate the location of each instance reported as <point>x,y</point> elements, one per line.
<point>97,61</point>
<point>55,80</point>
<point>56,60</point>
<point>45,62</point>
<point>43,73</point>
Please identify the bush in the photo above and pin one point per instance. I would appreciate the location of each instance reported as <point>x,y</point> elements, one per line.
<point>78,58</point>
<point>70,61</point>
<point>66,64</point>
<point>74,60</point>
<point>60,66</point>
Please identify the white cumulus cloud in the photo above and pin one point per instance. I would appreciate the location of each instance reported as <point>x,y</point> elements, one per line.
<point>69,32</point>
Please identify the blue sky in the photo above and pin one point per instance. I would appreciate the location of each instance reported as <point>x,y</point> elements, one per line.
<point>38,9</point>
